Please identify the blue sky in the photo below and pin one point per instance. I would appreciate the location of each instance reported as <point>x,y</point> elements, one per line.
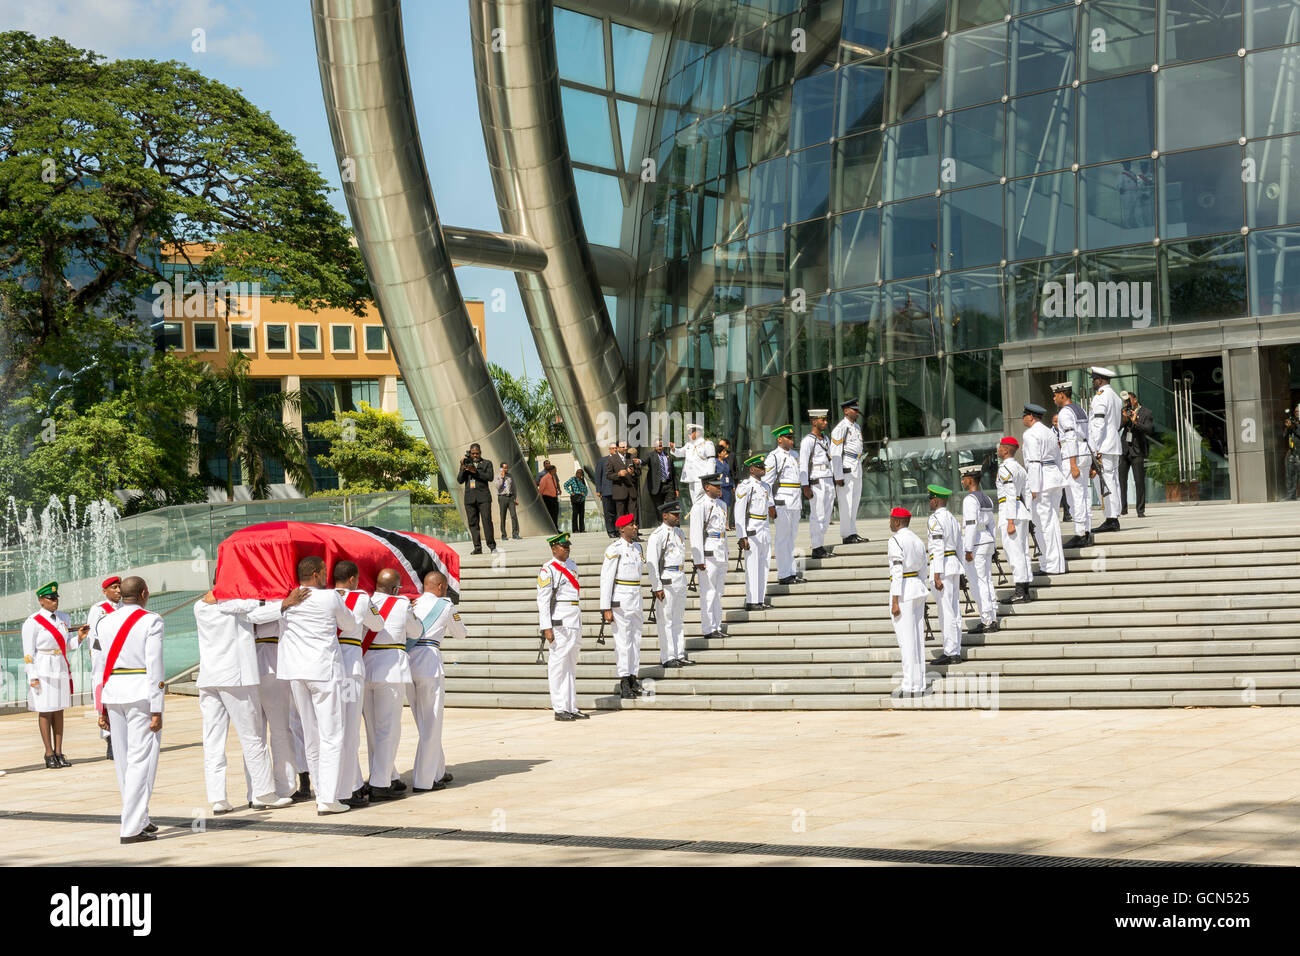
<point>267,50</point>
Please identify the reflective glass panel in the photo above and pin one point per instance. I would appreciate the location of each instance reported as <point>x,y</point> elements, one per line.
<point>1267,22</point>
<point>810,176</point>
<point>1119,36</point>
<point>907,314</point>
<point>631,53</point>
<point>1044,51</point>
<point>767,348</point>
<point>602,206</point>
<point>1118,203</point>
<point>855,317</point>
<point>812,110</point>
<point>1274,271</point>
<point>862,97</point>
<point>1199,29</point>
<point>917,20</point>
<point>971,227</point>
<point>916,82</point>
<point>970,309</point>
<point>1040,216</point>
<point>971,13</point>
<point>1269,75</point>
<point>857,171</point>
<point>912,158</point>
<point>809,336</point>
<point>806,256</point>
<point>973,390</point>
<point>767,192</point>
<point>914,410</point>
<point>973,141</point>
<point>586,125</point>
<point>1268,201</point>
<point>1041,132</point>
<point>908,237</point>
<point>1032,311</point>
<point>1122,291</point>
<point>1201,192</point>
<point>855,249</point>
<point>866,25</point>
<point>730,347</point>
<point>580,47</point>
<point>977,62</point>
<point>627,131</point>
<point>1101,137</point>
<point>766,267</point>
<point>1200,104</point>
<point>866,384</point>
<point>1207,278</point>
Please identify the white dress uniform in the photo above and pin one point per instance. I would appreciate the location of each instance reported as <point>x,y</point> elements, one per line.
<point>753,499</point>
<point>309,657</point>
<point>666,561</point>
<point>944,531</point>
<point>1073,430</point>
<point>907,583</point>
<point>620,591</point>
<point>815,471</point>
<point>783,478</point>
<point>354,685</point>
<point>98,610</point>
<point>698,459</point>
<point>558,610</point>
<point>1014,504</point>
<point>1043,464</point>
<point>979,539</point>
<point>276,697</point>
<point>709,547</point>
<point>438,619</point>
<point>846,466</point>
<point>388,673</point>
<point>1103,435</point>
<point>228,685</point>
<point>133,690</point>
<point>46,661</point>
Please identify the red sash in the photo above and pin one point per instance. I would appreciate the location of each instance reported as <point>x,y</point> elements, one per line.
<point>383,612</point>
<point>111,660</point>
<point>107,608</point>
<point>351,602</point>
<point>63,645</point>
<point>567,573</point>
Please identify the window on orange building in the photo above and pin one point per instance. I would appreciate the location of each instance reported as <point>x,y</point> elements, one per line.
<point>277,337</point>
<point>308,338</point>
<point>375,340</point>
<point>205,336</point>
<point>341,338</point>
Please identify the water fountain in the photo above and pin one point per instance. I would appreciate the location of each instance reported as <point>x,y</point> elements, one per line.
<point>63,543</point>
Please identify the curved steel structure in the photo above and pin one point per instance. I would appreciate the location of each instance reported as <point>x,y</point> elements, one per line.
<point>519,104</point>
<point>367,90</point>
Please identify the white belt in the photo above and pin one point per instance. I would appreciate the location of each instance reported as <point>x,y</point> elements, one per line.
<point>56,652</point>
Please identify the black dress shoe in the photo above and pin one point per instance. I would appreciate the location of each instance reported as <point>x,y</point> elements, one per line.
<point>397,786</point>
<point>304,788</point>
<point>977,628</point>
<point>768,605</point>
<point>1142,514</point>
<point>820,553</point>
<point>439,784</point>
<point>686,662</point>
<point>668,665</point>
<point>51,762</point>
<point>753,607</point>
<point>990,628</point>
<point>477,551</point>
<point>941,660</point>
<point>448,778</point>
<point>625,692</point>
<point>142,837</point>
<point>568,716</point>
<point>63,761</point>
<point>150,828</point>
<point>575,714</point>
<point>1075,542</point>
<point>355,802</point>
<point>790,580</point>
<point>716,635</point>
<point>383,793</point>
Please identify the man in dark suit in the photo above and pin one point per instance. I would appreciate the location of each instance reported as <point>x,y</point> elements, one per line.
<point>621,468</point>
<point>660,478</point>
<point>476,475</point>
<point>1136,426</point>
<point>605,489</point>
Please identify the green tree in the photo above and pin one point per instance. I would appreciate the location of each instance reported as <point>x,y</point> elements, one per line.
<point>248,427</point>
<point>373,450</point>
<point>105,164</point>
<point>532,413</point>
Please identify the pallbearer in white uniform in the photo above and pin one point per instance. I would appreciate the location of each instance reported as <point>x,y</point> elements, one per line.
<point>754,506</point>
<point>907,596</point>
<point>1076,462</point>
<point>1014,514</point>
<point>698,459</point>
<point>132,702</point>
<point>47,639</point>
<point>620,602</point>
<point>559,615</point>
<point>388,675</point>
<point>112,591</point>
<point>665,556</point>
<point>709,553</point>
<point>438,618</point>
<point>1103,435</point>
<point>978,539</point>
<point>1043,465</point>
<point>347,580</point>
<point>782,473</point>
<point>846,470</point>
<point>944,534</point>
<point>276,697</point>
<point>815,477</point>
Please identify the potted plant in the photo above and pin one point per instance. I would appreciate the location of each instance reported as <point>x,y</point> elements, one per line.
<point>1162,467</point>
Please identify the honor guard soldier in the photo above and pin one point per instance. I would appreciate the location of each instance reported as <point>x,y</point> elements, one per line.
<point>388,673</point>
<point>846,469</point>
<point>111,587</point>
<point>1014,513</point>
<point>1043,465</point>
<point>132,702</point>
<point>620,603</point>
<point>1076,461</point>
<point>438,618</point>
<point>815,477</point>
<point>1103,436</point>
<point>278,715</point>
<point>47,638</point>
<point>978,528</point>
<point>347,581</point>
<point>665,555</point>
<point>560,619</point>
<point>709,553</point>
<point>698,458</point>
<point>782,467</point>
<point>754,506</point>
<point>944,531</point>
<point>907,597</point>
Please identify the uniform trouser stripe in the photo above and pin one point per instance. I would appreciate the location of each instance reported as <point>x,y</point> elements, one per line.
<point>561,668</point>
<point>979,574</point>
<point>382,711</point>
<point>220,707</point>
<point>847,497</point>
<point>819,511</point>
<point>668,622</point>
<point>787,521</point>
<point>136,764</point>
<point>427,700</point>
<point>949,606</point>
<point>909,631</point>
<point>627,637</point>
<point>756,567</point>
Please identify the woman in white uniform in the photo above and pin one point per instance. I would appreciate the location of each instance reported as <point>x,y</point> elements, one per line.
<point>47,641</point>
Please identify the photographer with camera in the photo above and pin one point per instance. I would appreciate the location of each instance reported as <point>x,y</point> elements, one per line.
<point>476,475</point>
<point>1137,425</point>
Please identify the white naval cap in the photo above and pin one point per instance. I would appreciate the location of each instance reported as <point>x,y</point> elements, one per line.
<point>1062,387</point>
<point>817,413</point>
<point>1101,372</point>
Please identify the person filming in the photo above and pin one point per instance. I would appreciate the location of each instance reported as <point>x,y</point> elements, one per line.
<point>476,475</point>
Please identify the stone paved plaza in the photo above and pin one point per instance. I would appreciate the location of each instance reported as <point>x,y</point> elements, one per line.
<point>1179,785</point>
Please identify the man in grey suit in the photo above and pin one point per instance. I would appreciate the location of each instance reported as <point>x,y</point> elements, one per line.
<point>507,501</point>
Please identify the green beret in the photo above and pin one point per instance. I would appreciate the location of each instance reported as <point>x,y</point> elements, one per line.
<point>561,538</point>
<point>939,491</point>
<point>50,590</point>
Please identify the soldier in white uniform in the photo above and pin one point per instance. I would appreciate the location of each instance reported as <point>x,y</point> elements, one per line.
<point>815,477</point>
<point>907,597</point>
<point>228,694</point>
<point>1076,460</point>
<point>698,458</point>
<point>620,602</point>
<point>1014,513</point>
<point>438,618</point>
<point>132,702</point>
<point>347,580</point>
<point>276,698</point>
<point>944,532</point>
<point>388,675</point>
<point>709,554</point>
<point>1103,436</point>
<point>978,528</point>
<point>754,506</point>
<point>111,587</point>
<point>782,470</point>
<point>47,639</point>
<point>665,555</point>
<point>1043,464</point>
<point>560,617</point>
<point>846,469</point>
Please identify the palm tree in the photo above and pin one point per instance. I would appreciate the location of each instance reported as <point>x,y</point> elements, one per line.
<point>249,428</point>
<point>532,413</point>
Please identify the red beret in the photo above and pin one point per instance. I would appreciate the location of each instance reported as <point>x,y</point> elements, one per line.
<point>1010,441</point>
<point>624,521</point>
<point>900,513</point>
<point>109,582</point>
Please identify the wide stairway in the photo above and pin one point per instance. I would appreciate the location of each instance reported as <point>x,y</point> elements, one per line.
<point>1195,605</point>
